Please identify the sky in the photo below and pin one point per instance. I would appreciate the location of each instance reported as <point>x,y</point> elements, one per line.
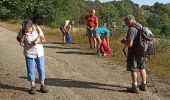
<point>144,2</point>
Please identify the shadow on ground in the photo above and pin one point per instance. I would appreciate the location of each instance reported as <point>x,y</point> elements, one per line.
<point>57,47</point>
<point>72,50</point>
<point>82,84</point>
<point>7,86</point>
<point>77,52</point>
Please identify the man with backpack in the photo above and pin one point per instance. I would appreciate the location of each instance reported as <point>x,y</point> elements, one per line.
<point>135,62</point>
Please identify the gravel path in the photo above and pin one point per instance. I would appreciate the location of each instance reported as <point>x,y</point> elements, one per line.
<point>71,74</point>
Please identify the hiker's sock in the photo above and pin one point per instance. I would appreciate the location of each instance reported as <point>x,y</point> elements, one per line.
<point>144,82</point>
<point>32,84</point>
<point>135,83</point>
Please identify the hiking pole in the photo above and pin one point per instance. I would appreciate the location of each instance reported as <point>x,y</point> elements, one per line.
<point>124,51</point>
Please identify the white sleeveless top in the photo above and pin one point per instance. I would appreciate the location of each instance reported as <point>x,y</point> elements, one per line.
<point>30,50</point>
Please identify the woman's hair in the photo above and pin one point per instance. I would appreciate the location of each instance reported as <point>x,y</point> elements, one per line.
<point>27,23</point>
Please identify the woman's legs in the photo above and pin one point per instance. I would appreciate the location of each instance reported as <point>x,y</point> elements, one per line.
<point>64,39</point>
<point>98,39</point>
<point>41,69</point>
<point>106,37</point>
<point>30,62</point>
<point>64,35</point>
<point>41,73</point>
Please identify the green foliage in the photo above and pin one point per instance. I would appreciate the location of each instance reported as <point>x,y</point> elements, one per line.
<point>156,31</point>
<point>5,13</point>
<point>165,30</point>
<point>56,23</point>
<point>54,12</point>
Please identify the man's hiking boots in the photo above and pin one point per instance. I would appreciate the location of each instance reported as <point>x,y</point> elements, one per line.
<point>143,87</point>
<point>135,89</point>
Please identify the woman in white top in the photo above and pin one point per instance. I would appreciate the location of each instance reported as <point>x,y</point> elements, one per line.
<point>32,39</point>
<point>65,29</point>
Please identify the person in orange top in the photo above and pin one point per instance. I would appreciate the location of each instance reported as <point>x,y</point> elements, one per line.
<point>92,24</point>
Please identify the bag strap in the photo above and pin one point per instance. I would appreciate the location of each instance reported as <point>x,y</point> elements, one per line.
<point>37,29</point>
<point>137,27</point>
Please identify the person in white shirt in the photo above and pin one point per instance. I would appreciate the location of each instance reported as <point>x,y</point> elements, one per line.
<point>65,29</point>
<point>32,38</point>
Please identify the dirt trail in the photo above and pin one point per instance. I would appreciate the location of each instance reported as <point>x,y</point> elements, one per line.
<point>71,74</point>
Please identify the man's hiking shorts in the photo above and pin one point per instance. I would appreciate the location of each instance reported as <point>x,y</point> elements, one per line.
<point>91,32</point>
<point>135,63</point>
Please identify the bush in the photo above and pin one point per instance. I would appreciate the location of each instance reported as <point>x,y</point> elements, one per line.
<point>119,32</point>
<point>156,31</point>
<point>165,30</point>
<point>57,22</point>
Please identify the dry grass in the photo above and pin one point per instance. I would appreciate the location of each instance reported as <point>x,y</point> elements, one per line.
<point>11,25</point>
<point>159,65</point>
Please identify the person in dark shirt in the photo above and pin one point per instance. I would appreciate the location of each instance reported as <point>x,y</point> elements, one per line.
<point>134,62</point>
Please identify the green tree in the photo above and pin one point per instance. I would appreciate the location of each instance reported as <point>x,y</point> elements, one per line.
<point>165,30</point>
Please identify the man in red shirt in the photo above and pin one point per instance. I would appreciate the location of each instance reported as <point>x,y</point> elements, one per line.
<point>92,24</point>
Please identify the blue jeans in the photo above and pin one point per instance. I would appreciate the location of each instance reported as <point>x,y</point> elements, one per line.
<point>30,62</point>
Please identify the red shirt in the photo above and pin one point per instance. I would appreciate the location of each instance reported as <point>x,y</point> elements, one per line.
<point>92,21</point>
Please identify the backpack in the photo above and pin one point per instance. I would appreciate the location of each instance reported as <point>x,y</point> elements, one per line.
<point>145,43</point>
<point>69,39</point>
<point>21,34</point>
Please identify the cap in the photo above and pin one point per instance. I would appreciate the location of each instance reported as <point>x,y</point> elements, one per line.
<point>67,21</point>
<point>129,17</point>
<point>27,23</point>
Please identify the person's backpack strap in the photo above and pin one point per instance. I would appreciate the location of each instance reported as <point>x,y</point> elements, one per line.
<point>20,35</point>
<point>137,27</point>
<point>37,29</point>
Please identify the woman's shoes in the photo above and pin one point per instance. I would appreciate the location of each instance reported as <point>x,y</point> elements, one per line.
<point>44,89</point>
<point>33,90</point>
